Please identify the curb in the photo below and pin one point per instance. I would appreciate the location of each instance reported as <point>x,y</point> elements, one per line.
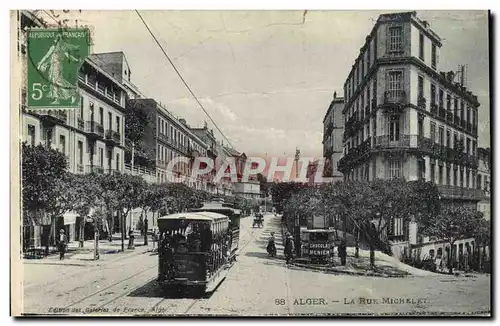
<point>80,262</point>
<point>336,271</point>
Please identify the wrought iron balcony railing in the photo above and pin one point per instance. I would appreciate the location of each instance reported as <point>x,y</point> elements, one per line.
<point>93,127</point>
<point>395,97</point>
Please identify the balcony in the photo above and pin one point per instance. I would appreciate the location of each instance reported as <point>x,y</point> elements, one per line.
<point>422,102</point>
<point>53,116</point>
<point>434,108</point>
<point>163,137</point>
<point>442,112</point>
<point>449,115</point>
<point>80,124</point>
<point>146,174</point>
<point>453,192</point>
<point>92,83</point>
<point>354,155</point>
<point>94,129</point>
<point>94,169</point>
<point>426,145</point>
<point>113,137</point>
<point>385,141</point>
<point>395,100</point>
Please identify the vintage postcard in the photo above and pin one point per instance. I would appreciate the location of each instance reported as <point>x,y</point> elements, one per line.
<point>250,163</point>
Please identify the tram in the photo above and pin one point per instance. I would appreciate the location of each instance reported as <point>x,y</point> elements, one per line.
<point>197,248</point>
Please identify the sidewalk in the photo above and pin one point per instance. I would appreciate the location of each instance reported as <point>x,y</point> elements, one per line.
<point>108,252</point>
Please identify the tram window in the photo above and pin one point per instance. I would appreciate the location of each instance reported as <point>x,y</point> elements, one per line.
<point>318,236</point>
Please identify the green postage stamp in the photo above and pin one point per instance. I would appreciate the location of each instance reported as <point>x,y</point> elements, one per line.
<point>54,58</point>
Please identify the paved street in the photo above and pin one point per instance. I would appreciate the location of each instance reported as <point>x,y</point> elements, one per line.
<point>256,285</point>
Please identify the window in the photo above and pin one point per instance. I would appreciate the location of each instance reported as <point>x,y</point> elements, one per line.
<point>118,124</point>
<point>421,43</point>
<point>81,107</point>
<point>433,171</point>
<point>397,226</point>
<point>434,56</point>
<point>441,98</point>
<point>440,175</point>
<point>455,181</point>
<point>448,138</point>
<point>448,102</point>
<point>101,116</point>
<point>479,182</point>
<point>433,131</point>
<point>158,154</point>
<point>395,39</point>
<point>110,158</point>
<point>367,172</point>
<point>486,184</point>
<point>420,127</point>
<point>439,253</point>
<point>433,94</point>
<point>461,178</point>
<point>110,121</point>
<point>421,169</point>
<point>467,178</point>
<point>80,152</point>
<point>31,135</point>
<point>62,144</point>
<point>117,162</point>
<point>395,169</point>
<point>448,175</point>
<point>455,108</point>
<point>420,87</point>
<point>462,110</point>
<point>91,109</point>
<point>474,145</point>
<point>468,114</point>
<point>101,157</point>
<point>395,82</point>
<point>455,140</point>
<point>441,135</point>
<point>468,146</point>
<point>394,128</point>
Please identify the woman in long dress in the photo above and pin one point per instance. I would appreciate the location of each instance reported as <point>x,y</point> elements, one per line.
<point>60,88</point>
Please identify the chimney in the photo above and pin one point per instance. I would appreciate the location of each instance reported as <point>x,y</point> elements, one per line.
<point>334,95</point>
<point>462,74</point>
<point>426,23</point>
<point>183,121</point>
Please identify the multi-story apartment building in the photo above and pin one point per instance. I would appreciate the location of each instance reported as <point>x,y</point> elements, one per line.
<point>91,136</point>
<point>484,181</point>
<point>333,131</point>
<point>207,136</point>
<point>171,138</point>
<point>405,118</point>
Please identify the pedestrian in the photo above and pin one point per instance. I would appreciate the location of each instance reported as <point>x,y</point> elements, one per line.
<point>154,238</point>
<point>342,252</point>
<point>61,243</point>
<point>289,248</point>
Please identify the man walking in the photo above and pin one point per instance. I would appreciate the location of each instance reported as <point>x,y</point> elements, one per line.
<point>289,248</point>
<point>342,251</point>
<point>61,243</point>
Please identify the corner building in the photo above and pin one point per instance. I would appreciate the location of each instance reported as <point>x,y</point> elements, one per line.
<point>405,118</point>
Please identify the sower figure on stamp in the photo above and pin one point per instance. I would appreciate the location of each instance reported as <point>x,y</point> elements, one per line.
<point>289,247</point>
<point>61,244</point>
<point>342,250</point>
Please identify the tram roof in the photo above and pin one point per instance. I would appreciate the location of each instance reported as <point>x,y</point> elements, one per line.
<point>196,216</point>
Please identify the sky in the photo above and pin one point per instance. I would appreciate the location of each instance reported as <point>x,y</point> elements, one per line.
<point>268,77</point>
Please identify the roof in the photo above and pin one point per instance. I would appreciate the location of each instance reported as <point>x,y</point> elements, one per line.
<point>197,216</point>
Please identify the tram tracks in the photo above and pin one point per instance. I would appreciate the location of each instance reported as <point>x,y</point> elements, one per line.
<point>73,304</point>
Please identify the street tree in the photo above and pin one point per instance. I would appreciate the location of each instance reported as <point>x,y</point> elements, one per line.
<point>46,186</point>
<point>452,224</point>
<point>87,190</point>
